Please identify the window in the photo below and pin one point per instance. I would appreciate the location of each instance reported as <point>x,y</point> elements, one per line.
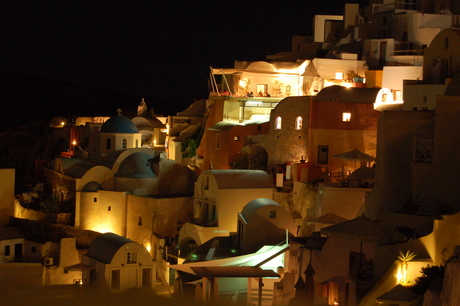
<point>115,283</point>
<point>125,144</point>
<point>298,123</point>
<point>7,250</point>
<point>217,141</point>
<point>262,90</point>
<point>323,155</point>
<point>423,150</point>
<point>109,208</point>
<point>278,123</point>
<point>346,117</point>
<point>206,182</point>
<point>397,95</point>
<point>33,250</point>
<point>236,138</point>
<point>95,200</point>
<point>137,143</point>
<point>139,220</point>
<point>131,257</point>
<point>108,144</point>
<point>339,75</point>
<point>272,214</point>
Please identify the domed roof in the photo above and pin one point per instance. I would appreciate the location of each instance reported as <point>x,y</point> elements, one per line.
<point>92,187</point>
<point>119,124</point>
<point>136,165</point>
<point>105,246</point>
<point>250,208</point>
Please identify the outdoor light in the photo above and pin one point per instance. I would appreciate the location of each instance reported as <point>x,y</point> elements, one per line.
<point>346,117</point>
<point>74,142</point>
<point>402,276</point>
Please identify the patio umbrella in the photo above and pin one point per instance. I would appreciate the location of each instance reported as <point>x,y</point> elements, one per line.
<point>355,155</point>
<point>329,218</point>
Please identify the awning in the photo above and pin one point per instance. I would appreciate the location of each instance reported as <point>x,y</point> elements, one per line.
<point>78,267</point>
<point>220,71</point>
<point>232,271</point>
<point>254,260</point>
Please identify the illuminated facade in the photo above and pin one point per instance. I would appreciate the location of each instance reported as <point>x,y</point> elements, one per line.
<point>117,264</point>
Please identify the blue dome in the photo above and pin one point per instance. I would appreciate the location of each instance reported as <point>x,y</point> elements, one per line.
<point>119,124</point>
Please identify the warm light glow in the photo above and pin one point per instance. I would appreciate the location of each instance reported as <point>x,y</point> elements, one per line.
<point>347,85</point>
<point>74,142</point>
<point>403,275</point>
<point>148,246</point>
<point>339,75</point>
<point>103,228</point>
<point>278,123</point>
<point>62,123</point>
<point>253,103</point>
<point>346,117</point>
<point>399,275</point>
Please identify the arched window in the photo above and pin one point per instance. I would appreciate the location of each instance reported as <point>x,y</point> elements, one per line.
<point>108,144</point>
<point>278,123</point>
<point>298,123</point>
<point>125,142</point>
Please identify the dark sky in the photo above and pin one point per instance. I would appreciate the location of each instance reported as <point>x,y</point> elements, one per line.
<point>160,49</point>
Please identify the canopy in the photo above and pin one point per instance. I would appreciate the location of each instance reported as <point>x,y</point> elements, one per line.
<point>355,155</point>
<point>249,260</point>
<point>233,272</point>
<point>78,267</point>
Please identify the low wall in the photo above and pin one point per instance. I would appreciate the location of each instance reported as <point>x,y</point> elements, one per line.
<point>31,214</point>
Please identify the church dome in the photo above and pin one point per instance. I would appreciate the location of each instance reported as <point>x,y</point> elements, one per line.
<point>119,124</point>
<point>136,165</point>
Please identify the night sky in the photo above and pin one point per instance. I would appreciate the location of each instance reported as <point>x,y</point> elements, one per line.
<point>160,50</point>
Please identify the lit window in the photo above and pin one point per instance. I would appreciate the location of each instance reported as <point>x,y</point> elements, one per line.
<point>278,123</point>
<point>236,138</point>
<point>346,117</point>
<point>298,123</point>
<point>339,75</point>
